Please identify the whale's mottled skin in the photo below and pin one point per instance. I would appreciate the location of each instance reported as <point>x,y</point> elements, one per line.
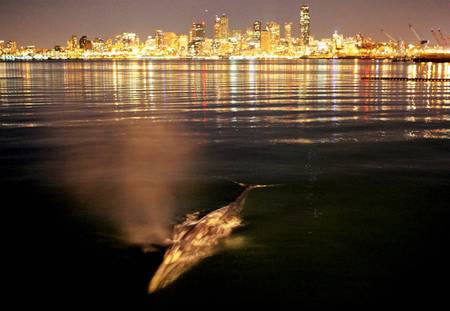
<point>196,239</point>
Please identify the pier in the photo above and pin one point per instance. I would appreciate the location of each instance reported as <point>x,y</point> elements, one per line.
<point>407,79</point>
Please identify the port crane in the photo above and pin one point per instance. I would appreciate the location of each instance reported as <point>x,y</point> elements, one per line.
<point>420,40</point>
<point>438,37</point>
<point>389,36</point>
<point>441,39</point>
<point>398,42</point>
<point>444,39</point>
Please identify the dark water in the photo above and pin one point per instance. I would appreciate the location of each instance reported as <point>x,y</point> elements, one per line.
<point>95,153</point>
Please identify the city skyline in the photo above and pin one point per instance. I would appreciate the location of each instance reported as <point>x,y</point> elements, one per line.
<point>19,19</point>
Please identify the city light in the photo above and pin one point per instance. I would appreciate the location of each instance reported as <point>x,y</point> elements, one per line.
<point>260,40</point>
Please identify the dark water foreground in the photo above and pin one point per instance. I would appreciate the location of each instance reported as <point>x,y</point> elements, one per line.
<point>361,218</point>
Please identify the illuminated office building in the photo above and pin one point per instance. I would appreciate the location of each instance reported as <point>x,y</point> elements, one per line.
<point>72,43</point>
<point>305,25</point>
<point>221,30</point>
<point>197,36</point>
<point>274,34</point>
<point>127,40</point>
<point>159,37</point>
<point>85,43</point>
<point>217,28</point>
<point>99,45</point>
<point>197,32</point>
<point>265,41</point>
<point>224,26</point>
<point>11,46</point>
<point>150,44</point>
<point>170,40</point>
<point>257,27</point>
<point>183,44</point>
<point>288,32</point>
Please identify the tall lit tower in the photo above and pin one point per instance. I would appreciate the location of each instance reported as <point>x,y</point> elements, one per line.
<point>197,36</point>
<point>197,33</point>
<point>159,36</point>
<point>288,32</point>
<point>305,24</point>
<point>85,43</point>
<point>274,31</point>
<point>257,25</point>
<point>265,44</point>
<point>224,26</point>
<point>217,28</point>
<point>221,27</point>
<point>73,44</point>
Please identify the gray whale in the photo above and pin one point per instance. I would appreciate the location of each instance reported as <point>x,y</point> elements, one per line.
<point>197,238</point>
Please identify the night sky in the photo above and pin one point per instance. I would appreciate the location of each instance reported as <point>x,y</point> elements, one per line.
<point>49,22</point>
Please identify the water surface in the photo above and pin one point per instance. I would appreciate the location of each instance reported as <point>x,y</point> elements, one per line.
<point>361,219</point>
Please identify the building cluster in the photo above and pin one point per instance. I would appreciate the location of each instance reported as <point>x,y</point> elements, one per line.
<point>260,40</point>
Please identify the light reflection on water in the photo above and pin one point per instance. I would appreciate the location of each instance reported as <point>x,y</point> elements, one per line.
<point>312,94</point>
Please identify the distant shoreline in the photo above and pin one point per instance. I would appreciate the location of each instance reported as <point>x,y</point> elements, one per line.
<point>244,59</point>
<point>190,59</point>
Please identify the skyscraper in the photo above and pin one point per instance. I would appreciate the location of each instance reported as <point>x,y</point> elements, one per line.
<point>197,36</point>
<point>197,32</point>
<point>127,39</point>
<point>85,43</point>
<point>265,41</point>
<point>257,30</point>
<point>11,46</point>
<point>305,24</point>
<point>170,40</point>
<point>159,37</point>
<point>274,34</point>
<point>72,43</point>
<point>217,30</point>
<point>221,29</point>
<point>288,32</point>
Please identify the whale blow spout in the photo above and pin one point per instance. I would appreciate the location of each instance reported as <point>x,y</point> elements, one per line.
<point>197,238</point>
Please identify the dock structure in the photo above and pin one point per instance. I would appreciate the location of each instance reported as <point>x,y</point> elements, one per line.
<point>407,79</point>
